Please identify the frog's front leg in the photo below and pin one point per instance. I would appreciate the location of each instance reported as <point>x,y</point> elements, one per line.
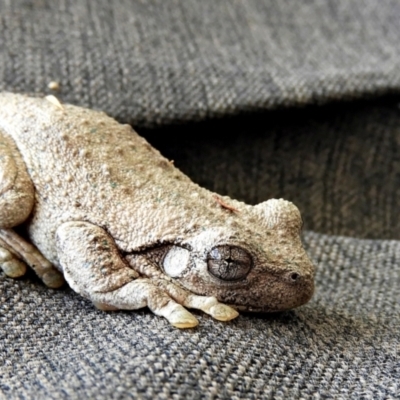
<point>93,267</point>
<point>16,202</point>
<point>207,304</point>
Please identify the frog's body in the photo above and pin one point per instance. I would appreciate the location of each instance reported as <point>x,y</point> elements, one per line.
<point>127,229</point>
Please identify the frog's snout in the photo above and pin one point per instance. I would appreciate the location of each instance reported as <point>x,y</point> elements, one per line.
<point>296,277</point>
<point>303,285</point>
<point>298,286</point>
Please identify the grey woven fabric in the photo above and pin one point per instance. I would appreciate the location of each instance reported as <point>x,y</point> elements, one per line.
<point>154,62</point>
<point>343,345</point>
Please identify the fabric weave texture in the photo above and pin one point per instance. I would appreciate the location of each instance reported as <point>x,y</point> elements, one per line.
<point>344,344</point>
<point>188,75</point>
<point>156,62</point>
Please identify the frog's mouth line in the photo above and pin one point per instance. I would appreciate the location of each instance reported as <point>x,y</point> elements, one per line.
<point>252,309</point>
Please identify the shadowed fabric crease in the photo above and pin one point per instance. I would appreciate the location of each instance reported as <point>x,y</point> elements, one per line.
<point>254,100</point>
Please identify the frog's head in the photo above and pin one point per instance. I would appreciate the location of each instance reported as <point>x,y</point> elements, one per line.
<point>263,267</point>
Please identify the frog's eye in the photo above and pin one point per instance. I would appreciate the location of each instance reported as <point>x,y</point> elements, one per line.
<point>229,263</point>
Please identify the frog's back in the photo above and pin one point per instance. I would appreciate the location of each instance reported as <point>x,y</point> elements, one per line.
<point>73,145</point>
<point>83,164</point>
<point>86,166</point>
<point>42,127</point>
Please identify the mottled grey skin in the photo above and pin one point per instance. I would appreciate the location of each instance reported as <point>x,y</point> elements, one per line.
<point>126,229</point>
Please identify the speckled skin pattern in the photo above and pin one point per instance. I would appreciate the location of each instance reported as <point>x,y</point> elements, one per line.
<point>127,229</point>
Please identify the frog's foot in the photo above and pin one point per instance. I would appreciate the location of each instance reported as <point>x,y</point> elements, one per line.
<point>140,293</point>
<point>16,253</point>
<point>11,265</point>
<point>208,304</point>
<point>211,306</point>
<point>165,299</point>
<point>93,267</point>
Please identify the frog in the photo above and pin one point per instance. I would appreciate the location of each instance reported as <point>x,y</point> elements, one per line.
<point>87,201</point>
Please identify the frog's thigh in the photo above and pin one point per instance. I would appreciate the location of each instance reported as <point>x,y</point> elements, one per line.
<point>16,202</point>
<point>93,268</point>
<point>16,188</point>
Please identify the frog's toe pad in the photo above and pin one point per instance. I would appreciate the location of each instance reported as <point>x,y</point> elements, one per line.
<point>11,265</point>
<point>53,279</point>
<point>14,268</point>
<point>222,312</point>
<point>179,317</point>
<point>183,320</point>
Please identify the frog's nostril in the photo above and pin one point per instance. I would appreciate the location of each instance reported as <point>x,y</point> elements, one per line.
<point>294,276</point>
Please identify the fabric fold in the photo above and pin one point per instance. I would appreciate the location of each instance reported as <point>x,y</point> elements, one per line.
<point>156,63</point>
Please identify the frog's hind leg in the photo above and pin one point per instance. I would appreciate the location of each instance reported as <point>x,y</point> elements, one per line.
<point>11,265</point>
<point>14,249</point>
<point>16,202</point>
<point>17,194</point>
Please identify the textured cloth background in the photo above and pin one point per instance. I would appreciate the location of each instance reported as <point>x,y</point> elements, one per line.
<point>343,345</point>
<point>154,63</point>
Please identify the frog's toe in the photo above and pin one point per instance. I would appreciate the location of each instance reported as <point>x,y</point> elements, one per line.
<point>183,320</point>
<point>11,265</point>
<point>178,316</point>
<point>53,278</point>
<point>14,268</point>
<point>222,312</point>
<point>211,306</point>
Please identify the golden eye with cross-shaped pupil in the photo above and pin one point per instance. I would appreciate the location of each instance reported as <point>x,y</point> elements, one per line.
<point>229,263</point>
